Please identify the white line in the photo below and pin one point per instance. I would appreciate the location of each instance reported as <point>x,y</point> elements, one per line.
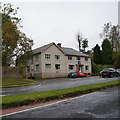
<point>45,105</point>
<point>31,87</point>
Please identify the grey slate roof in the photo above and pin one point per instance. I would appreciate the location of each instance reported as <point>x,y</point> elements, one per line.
<point>70,51</point>
<point>41,49</point>
<point>66,51</point>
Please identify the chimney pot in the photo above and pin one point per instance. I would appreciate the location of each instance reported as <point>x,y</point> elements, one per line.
<point>59,45</point>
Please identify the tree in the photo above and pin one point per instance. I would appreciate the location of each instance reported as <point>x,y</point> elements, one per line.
<point>111,33</point>
<point>107,52</point>
<point>79,40</point>
<point>97,55</point>
<point>114,37</point>
<point>14,42</point>
<point>84,44</point>
<point>106,31</point>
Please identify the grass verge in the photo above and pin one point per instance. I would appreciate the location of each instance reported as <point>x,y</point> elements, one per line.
<point>40,97</point>
<point>12,82</point>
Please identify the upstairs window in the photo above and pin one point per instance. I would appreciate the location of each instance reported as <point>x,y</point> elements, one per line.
<point>32,60</point>
<point>28,68</point>
<point>71,67</point>
<point>86,67</point>
<point>86,59</point>
<point>47,56</point>
<point>36,57</point>
<point>57,57</point>
<point>69,57</point>
<point>57,66</point>
<point>77,58</point>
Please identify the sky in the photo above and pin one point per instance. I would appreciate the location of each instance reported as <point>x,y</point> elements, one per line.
<point>59,22</point>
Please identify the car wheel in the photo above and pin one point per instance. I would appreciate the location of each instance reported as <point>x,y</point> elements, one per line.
<point>103,76</point>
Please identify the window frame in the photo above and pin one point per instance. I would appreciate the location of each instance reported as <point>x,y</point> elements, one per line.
<point>73,67</point>
<point>46,67</point>
<point>69,57</point>
<point>47,56</point>
<point>57,66</point>
<point>77,58</point>
<point>57,56</point>
<point>86,58</point>
<point>37,65</point>
<point>86,67</point>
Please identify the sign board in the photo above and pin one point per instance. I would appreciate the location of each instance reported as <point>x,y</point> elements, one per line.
<point>79,62</point>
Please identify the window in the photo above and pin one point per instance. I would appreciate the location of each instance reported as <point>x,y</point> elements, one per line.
<point>78,58</point>
<point>47,56</point>
<point>57,57</point>
<point>57,66</point>
<point>71,67</point>
<point>69,57</point>
<point>37,67</point>
<point>86,67</point>
<point>32,60</point>
<point>36,57</point>
<point>47,66</point>
<point>86,59</point>
<point>28,68</point>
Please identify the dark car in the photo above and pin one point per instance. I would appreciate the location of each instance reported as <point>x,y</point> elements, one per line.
<point>109,72</point>
<point>72,75</point>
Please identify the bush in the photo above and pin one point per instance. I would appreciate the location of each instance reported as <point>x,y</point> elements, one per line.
<point>97,68</point>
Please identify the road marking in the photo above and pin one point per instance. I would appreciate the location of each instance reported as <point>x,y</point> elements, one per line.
<point>31,87</point>
<point>45,105</point>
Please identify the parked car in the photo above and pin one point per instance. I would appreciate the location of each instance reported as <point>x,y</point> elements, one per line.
<point>72,75</point>
<point>118,70</point>
<point>109,72</point>
<point>79,74</point>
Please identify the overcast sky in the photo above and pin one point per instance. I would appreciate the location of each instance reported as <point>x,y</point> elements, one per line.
<point>59,22</point>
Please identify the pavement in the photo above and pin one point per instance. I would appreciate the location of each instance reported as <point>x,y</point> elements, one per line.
<point>54,84</point>
<point>99,104</point>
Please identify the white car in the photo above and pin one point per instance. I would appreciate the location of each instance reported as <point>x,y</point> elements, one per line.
<point>118,70</point>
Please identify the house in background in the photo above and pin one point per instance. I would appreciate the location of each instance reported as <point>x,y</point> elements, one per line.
<point>52,60</point>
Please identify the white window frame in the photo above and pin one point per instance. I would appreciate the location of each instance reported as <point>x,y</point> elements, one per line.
<point>47,56</point>
<point>57,57</point>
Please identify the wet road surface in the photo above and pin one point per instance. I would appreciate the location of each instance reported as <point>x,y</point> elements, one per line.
<point>102,104</point>
<point>55,84</point>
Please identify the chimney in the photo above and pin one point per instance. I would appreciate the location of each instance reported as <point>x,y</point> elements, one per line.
<point>59,45</point>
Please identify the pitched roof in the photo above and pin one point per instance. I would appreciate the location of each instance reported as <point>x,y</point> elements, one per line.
<point>70,51</point>
<point>41,49</point>
<point>66,51</point>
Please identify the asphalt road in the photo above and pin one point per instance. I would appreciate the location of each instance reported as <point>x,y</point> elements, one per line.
<point>102,104</point>
<point>54,84</point>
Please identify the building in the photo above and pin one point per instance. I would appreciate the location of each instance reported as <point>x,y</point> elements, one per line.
<point>53,60</point>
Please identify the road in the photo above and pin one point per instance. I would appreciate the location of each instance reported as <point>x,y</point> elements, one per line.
<point>54,84</point>
<point>102,104</point>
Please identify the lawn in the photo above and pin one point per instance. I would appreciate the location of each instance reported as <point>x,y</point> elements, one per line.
<point>39,97</point>
<point>11,82</point>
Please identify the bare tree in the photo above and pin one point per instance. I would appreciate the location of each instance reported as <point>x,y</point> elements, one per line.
<point>79,40</point>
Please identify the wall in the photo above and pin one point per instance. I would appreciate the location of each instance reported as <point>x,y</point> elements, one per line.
<point>11,72</point>
<point>53,50</point>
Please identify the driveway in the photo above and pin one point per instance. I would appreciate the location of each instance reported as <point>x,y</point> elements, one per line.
<point>55,84</point>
